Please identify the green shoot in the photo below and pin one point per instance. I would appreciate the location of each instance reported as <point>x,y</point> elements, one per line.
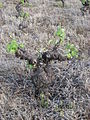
<point>83,1</point>
<point>44,103</point>
<point>1,5</point>
<point>24,14</point>
<point>72,51</point>
<point>13,46</point>
<point>61,34</point>
<point>22,2</point>
<point>25,3</point>
<point>28,5</point>
<point>21,45</point>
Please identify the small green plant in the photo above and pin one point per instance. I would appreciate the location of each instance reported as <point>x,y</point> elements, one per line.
<point>21,45</point>
<point>13,46</point>
<point>25,3</point>
<point>1,5</point>
<point>22,2</point>
<point>59,4</point>
<point>85,1</point>
<point>28,5</point>
<point>24,14</point>
<point>71,51</point>
<point>44,102</point>
<point>61,34</point>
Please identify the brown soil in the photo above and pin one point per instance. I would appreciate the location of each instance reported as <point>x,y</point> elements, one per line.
<point>65,84</point>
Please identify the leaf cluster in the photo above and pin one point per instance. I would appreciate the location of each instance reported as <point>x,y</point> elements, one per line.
<point>85,1</point>
<point>61,34</point>
<point>22,2</point>
<point>72,51</point>
<point>13,46</point>
<point>24,14</point>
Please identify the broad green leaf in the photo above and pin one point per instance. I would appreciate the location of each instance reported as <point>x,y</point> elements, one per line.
<point>69,55</point>
<point>12,47</point>
<point>73,53</point>
<point>22,1</point>
<point>72,47</point>
<point>26,15</point>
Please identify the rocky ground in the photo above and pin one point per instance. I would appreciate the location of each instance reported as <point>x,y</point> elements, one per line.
<point>65,85</point>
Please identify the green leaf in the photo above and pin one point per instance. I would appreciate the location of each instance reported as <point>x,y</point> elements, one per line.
<point>1,5</point>
<point>76,50</point>
<point>42,95</point>
<point>57,41</point>
<point>61,34</point>
<point>58,31</point>
<point>12,51</point>
<point>51,42</point>
<point>76,56</point>
<point>72,47</point>
<point>21,45</point>
<point>69,55</point>
<point>30,66</point>
<point>46,104</point>
<point>26,15</point>
<point>71,50</point>
<point>73,53</point>
<point>22,1</point>
<point>68,46</point>
<point>12,46</point>
<point>83,1</point>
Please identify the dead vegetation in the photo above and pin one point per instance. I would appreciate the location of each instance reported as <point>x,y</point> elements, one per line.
<point>56,88</point>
